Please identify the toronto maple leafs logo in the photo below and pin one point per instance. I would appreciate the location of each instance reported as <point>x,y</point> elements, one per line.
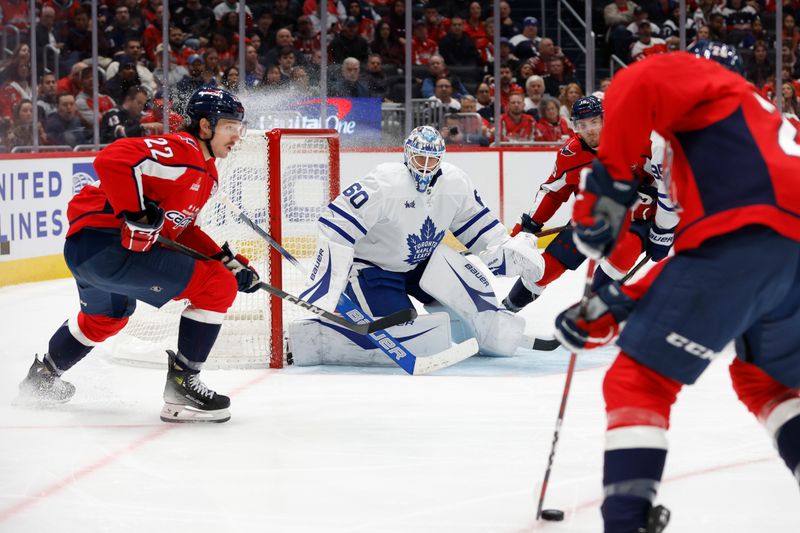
<point>421,246</point>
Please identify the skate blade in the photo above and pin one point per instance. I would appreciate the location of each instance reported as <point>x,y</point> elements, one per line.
<point>185,414</point>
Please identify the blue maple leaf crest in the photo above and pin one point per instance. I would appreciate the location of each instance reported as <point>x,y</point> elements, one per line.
<point>420,247</point>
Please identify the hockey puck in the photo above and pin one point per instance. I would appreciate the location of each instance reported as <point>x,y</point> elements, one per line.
<point>553,515</point>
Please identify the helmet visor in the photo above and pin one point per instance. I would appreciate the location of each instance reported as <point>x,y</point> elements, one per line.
<point>232,127</point>
<point>424,164</point>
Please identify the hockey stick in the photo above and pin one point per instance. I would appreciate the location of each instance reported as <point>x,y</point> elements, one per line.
<point>587,290</point>
<point>355,321</point>
<point>390,346</point>
<point>571,370</point>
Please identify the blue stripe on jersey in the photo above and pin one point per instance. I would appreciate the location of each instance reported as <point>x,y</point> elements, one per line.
<point>481,232</point>
<point>739,179</point>
<point>348,217</point>
<point>665,207</point>
<point>470,222</point>
<point>337,229</point>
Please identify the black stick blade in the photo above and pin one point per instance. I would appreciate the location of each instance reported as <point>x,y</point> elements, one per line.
<point>398,317</point>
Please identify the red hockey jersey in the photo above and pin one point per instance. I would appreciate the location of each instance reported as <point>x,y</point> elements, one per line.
<point>169,170</point>
<point>573,156</point>
<point>736,161</point>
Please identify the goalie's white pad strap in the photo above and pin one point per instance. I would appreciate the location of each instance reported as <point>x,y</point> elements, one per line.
<point>329,273</point>
<point>313,342</point>
<point>457,283</point>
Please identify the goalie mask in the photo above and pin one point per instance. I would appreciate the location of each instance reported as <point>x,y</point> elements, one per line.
<point>423,150</point>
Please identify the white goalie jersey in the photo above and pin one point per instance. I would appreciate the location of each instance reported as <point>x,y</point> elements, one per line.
<point>393,226</point>
<point>383,221</point>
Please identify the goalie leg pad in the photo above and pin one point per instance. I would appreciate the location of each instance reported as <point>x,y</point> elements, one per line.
<point>316,342</point>
<point>455,282</point>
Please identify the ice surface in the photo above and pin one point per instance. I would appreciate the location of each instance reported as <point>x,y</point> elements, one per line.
<point>345,449</point>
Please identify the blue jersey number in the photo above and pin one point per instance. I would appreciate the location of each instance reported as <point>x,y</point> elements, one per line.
<point>356,195</point>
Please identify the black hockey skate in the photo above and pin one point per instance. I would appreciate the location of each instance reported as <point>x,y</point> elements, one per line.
<point>187,399</point>
<point>657,520</point>
<point>518,297</point>
<point>43,386</point>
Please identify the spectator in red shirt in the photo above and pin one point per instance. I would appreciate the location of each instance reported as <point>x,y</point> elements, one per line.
<point>151,36</point>
<point>547,51</point>
<point>16,88</point>
<point>422,48</point>
<point>71,83</point>
<point>507,86</point>
<point>473,25</point>
<point>306,39</point>
<point>551,127</point>
<point>156,114</point>
<point>366,25</point>
<point>515,124</point>
<point>437,24</point>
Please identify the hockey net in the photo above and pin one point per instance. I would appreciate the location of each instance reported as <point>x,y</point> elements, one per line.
<point>282,179</point>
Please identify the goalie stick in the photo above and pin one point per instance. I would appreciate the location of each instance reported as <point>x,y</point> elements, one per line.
<point>355,321</point>
<point>544,345</point>
<point>390,346</point>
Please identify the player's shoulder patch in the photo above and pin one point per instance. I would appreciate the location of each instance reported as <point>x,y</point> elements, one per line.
<point>571,147</point>
<point>188,140</point>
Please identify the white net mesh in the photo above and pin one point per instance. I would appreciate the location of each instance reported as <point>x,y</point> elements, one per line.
<point>249,338</point>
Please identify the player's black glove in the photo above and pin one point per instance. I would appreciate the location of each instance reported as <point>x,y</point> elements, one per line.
<point>140,230</point>
<point>600,211</point>
<point>660,242</point>
<point>599,324</point>
<point>529,225</point>
<point>246,276</point>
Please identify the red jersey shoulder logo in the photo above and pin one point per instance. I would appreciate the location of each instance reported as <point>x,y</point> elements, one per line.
<point>565,151</point>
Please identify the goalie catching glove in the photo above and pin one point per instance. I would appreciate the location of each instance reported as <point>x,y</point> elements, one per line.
<point>598,322</point>
<point>140,230</point>
<point>517,256</point>
<point>246,276</point>
<point>601,209</point>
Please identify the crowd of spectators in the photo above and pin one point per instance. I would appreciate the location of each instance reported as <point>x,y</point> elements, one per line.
<point>453,58</point>
<point>635,30</point>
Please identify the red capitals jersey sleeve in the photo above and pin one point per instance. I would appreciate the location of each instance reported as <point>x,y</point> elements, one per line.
<point>573,156</point>
<point>735,160</point>
<point>168,170</point>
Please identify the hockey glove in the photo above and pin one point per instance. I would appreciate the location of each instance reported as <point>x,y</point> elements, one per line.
<point>246,276</point>
<point>526,225</point>
<point>140,230</point>
<point>599,324</point>
<point>660,242</point>
<point>600,212</point>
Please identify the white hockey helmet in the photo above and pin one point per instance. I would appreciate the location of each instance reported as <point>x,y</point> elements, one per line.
<point>423,150</point>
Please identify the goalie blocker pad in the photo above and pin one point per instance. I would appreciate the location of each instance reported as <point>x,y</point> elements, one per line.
<point>316,342</point>
<point>455,282</point>
<point>329,274</point>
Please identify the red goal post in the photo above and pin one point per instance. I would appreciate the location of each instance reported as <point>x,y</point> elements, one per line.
<point>282,179</point>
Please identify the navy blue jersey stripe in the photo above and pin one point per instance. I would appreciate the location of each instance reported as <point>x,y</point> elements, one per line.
<point>348,217</point>
<point>337,229</point>
<point>481,232</point>
<point>470,222</point>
